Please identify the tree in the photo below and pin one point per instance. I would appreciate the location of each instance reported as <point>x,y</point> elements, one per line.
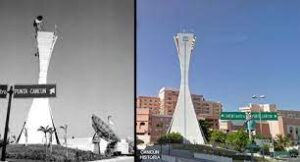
<point>258,136</point>
<point>237,140</point>
<point>173,137</point>
<point>65,128</point>
<point>14,139</point>
<point>205,125</point>
<point>45,130</point>
<point>281,142</point>
<point>217,137</point>
<point>293,153</point>
<point>50,131</point>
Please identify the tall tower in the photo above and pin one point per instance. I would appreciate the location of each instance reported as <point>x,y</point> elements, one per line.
<point>40,111</point>
<point>184,119</point>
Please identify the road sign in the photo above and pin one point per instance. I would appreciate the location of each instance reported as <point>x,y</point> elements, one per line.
<point>242,115</point>
<point>35,91</point>
<point>265,115</point>
<point>233,116</point>
<point>3,91</point>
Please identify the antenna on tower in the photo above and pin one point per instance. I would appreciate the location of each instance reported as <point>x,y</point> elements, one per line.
<point>38,23</point>
<point>38,26</point>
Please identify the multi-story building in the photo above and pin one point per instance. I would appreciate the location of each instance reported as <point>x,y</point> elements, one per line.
<point>142,124</point>
<point>152,103</point>
<point>159,126</point>
<point>289,124</point>
<point>205,110</point>
<point>259,107</point>
<point>151,110</point>
<point>145,107</point>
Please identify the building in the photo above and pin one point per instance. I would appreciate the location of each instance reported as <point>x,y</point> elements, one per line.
<point>289,124</point>
<point>152,103</point>
<point>145,107</point>
<point>159,126</point>
<point>259,107</point>
<point>142,120</point>
<point>165,105</point>
<point>142,124</point>
<point>205,110</point>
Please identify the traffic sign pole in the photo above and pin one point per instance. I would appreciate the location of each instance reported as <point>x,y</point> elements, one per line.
<point>10,92</point>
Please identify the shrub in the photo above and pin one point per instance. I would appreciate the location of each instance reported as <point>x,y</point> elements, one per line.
<point>171,138</point>
<point>37,152</point>
<point>293,153</point>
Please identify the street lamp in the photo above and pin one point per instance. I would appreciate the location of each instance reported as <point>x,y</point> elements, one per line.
<point>258,98</point>
<point>260,123</point>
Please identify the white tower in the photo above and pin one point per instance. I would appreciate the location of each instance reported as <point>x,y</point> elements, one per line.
<point>184,119</point>
<point>40,111</point>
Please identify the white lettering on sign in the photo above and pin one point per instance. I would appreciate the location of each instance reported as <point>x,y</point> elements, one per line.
<point>2,91</point>
<point>21,91</point>
<point>38,90</point>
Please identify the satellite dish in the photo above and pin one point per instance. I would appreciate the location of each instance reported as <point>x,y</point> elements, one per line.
<point>103,129</point>
<point>40,17</point>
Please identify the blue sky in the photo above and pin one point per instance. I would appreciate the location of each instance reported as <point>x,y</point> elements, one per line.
<point>242,48</point>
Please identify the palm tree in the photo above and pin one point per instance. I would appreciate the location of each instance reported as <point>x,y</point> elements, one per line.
<point>65,128</point>
<point>14,139</point>
<point>50,131</point>
<point>45,130</point>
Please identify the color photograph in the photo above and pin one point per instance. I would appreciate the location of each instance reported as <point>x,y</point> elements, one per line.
<point>217,80</point>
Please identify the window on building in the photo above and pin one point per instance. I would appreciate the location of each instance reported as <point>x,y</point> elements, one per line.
<point>291,130</point>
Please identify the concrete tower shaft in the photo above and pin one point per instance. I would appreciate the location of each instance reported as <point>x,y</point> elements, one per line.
<point>184,119</point>
<point>40,111</point>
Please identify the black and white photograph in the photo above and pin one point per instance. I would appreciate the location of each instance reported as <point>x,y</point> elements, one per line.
<point>67,80</point>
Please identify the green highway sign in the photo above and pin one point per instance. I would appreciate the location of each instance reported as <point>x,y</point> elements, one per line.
<point>233,116</point>
<point>242,116</point>
<point>265,115</point>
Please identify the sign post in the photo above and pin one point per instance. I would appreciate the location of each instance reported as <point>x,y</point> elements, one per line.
<point>250,118</point>
<point>10,92</point>
<point>23,91</point>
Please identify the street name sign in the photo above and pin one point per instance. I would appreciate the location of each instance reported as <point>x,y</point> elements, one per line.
<point>242,116</point>
<point>3,91</point>
<point>35,91</point>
